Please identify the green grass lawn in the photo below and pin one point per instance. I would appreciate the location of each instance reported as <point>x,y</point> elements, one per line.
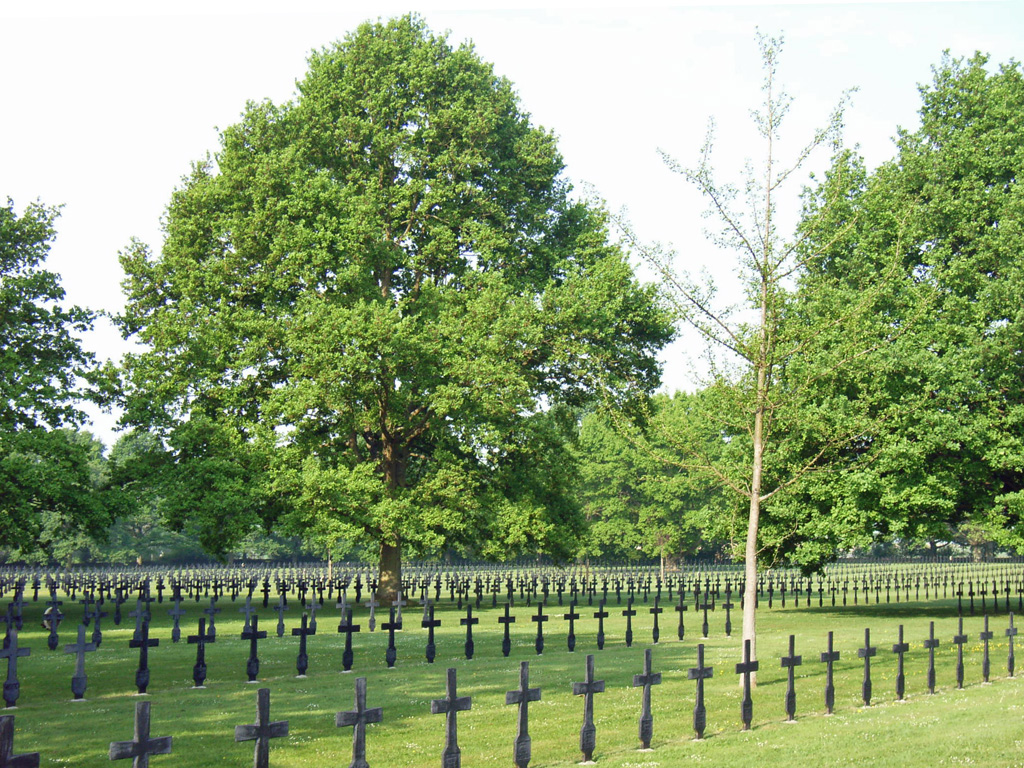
<point>982,724</point>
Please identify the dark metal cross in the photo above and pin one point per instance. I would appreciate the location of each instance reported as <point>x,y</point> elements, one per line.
<point>391,654</point>
<point>348,628</point>
<point>176,613</point>
<point>1011,632</point>
<point>745,668</point>
<point>681,609</point>
<point>985,636</point>
<point>656,611</point>
<point>707,605</point>
<point>587,689</point>
<point>959,639</point>
<point>12,688</point>
<point>506,641</point>
<point>899,649</point>
<point>429,624</point>
<point>144,643</point>
<point>359,718</point>
<point>646,679</point>
<point>253,635</point>
<point>141,746</point>
<point>629,613</point>
<point>7,757</point>
<point>522,696</point>
<point>280,608</point>
<point>600,614</point>
<point>468,623</point>
<point>700,673</point>
<point>262,731</point>
<point>866,653</point>
<point>539,619</point>
<point>790,663</point>
<point>398,603</point>
<point>212,611</point>
<point>450,706</point>
<point>248,610</point>
<point>79,679</point>
<point>200,640</point>
<point>372,605</point>
<point>572,617</point>
<point>302,660</point>
<point>931,644</point>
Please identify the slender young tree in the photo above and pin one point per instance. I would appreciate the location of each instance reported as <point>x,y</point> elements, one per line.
<point>760,427</point>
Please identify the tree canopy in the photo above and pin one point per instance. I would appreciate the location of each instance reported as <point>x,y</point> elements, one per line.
<point>370,303</point>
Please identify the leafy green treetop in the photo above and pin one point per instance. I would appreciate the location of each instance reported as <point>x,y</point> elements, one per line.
<point>371,297</point>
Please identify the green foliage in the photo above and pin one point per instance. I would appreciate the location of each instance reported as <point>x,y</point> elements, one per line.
<point>946,447</point>
<point>637,499</point>
<point>364,305</point>
<point>52,501</point>
<point>41,359</point>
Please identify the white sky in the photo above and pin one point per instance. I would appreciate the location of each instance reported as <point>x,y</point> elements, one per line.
<point>106,104</point>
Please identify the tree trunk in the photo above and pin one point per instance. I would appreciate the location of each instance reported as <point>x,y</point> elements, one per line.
<point>390,576</point>
<point>330,564</point>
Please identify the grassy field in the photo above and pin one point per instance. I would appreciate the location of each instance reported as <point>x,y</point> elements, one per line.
<point>981,724</point>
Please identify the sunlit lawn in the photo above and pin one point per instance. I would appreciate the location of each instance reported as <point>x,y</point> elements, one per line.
<point>982,724</point>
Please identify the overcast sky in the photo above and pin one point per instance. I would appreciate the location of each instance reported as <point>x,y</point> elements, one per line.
<point>106,104</point>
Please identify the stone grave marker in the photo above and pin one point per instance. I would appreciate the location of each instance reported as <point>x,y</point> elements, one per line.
<point>391,625</point>
<point>931,644</point>
<point>468,621</point>
<point>348,628</point>
<point>450,706</point>
<point>700,673</point>
<point>176,613</point>
<point>681,609</point>
<point>790,663</point>
<point>142,746</point>
<point>280,608</point>
<point>11,652</point>
<point>629,613</point>
<point>587,689</point>
<point>262,731</point>
<point>746,668</point>
<point>522,696</point>
<point>304,631</point>
<point>200,640</point>
<point>79,679</point>
<point>7,757</point>
<point>600,614</point>
<point>212,610</point>
<point>655,611</point>
<point>646,679</point>
<point>144,643</point>
<point>539,619</point>
<point>253,635</point>
<point>959,639</point>
<point>866,653</point>
<point>828,658</point>
<point>985,637</point>
<point>358,719</point>
<point>572,617</point>
<point>899,649</point>
<point>429,624</point>
<point>1011,632</point>
<point>506,641</point>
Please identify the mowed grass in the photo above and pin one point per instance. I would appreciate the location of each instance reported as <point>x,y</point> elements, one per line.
<point>981,724</point>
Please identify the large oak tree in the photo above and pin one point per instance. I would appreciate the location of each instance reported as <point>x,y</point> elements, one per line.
<point>368,303</point>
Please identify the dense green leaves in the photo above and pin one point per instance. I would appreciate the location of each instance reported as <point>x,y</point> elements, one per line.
<point>41,359</point>
<point>365,305</point>
<point>947,390</point>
